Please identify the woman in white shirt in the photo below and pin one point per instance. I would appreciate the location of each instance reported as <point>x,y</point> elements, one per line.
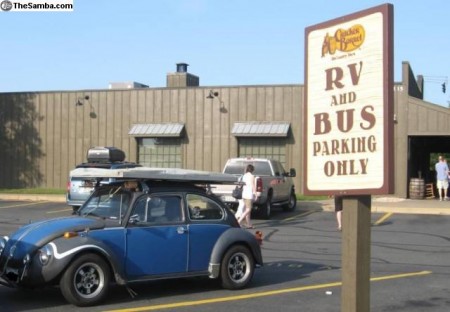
<point>248,195</point>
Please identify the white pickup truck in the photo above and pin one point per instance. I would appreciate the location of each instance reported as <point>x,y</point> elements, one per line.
<point>273,184</point>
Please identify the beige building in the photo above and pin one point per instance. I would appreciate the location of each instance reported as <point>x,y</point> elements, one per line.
<point>45,134</point>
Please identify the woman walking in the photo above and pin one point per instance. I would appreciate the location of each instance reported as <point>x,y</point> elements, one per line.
<point>248,196</point>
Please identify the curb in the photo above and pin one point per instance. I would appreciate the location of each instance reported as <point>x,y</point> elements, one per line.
<point>34,197</point>
<point>405,206</point>
<point>412,210</point>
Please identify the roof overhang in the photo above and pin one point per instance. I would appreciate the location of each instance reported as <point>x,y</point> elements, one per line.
<point>157,130</point>
<point>261,129</point>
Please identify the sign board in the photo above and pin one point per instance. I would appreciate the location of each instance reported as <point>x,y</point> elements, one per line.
<point>349,104</point>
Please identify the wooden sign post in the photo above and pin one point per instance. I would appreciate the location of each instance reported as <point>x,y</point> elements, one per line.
<point>356,230</point>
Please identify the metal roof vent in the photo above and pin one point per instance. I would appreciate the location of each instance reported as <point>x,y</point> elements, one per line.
<point>182,67</point>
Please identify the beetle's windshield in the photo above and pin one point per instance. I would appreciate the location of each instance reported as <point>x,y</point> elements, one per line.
<point>109,202</point>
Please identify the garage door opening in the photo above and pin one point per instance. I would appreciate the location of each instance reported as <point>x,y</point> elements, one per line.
<point>423,155</point>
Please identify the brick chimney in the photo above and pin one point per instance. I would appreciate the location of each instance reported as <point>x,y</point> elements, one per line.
<point>181,78</point>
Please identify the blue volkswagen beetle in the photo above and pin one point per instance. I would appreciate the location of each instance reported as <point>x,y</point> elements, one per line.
<point>149,224</point>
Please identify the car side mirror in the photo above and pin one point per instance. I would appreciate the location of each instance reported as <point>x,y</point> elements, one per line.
<point>292,172</point>
<point>134,219</point>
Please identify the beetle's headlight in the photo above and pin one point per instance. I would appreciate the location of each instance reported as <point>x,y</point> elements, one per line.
<point>3,241</point>
<point>45,254</point>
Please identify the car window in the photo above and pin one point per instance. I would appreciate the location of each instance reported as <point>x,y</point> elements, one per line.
<point>157,209</point>
<point>236,167</point>
<point>262,168</point>
<point>278,168</point>
<point>203,208</point>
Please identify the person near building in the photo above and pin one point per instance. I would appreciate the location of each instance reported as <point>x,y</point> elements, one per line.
<point>240,209</point>
<point>338,209</point>
<point>448,189</point>
<point>241,205</point>
<point>441,168</point>
<point>248,196</point>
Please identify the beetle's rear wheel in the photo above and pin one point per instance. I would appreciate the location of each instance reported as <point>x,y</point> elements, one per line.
<point>237,267</point>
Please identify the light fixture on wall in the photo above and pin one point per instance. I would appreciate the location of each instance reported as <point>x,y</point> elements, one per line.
<point>212,94</point>
<point>80,102</point>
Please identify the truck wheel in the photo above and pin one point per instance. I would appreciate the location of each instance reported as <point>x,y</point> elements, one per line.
<point>292,203</point>
<point>86,280</point>
<point>233,206</point>
<point>266,209</point>
<point>237,267</point>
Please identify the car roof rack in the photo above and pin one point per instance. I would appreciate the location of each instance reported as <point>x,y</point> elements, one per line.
<point>166,174</point>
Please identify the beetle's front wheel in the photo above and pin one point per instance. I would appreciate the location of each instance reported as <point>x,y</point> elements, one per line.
<point>86,280</point>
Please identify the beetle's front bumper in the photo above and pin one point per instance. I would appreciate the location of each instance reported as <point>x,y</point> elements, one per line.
<point>10,277</point>
<point>7,282</point>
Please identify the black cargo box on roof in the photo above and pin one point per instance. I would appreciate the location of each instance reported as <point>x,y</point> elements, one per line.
<point>105,155</point>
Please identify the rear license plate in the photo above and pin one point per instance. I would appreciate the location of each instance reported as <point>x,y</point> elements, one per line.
<point>88,184</point>
<point>228,199</point>
<point>84,189</point>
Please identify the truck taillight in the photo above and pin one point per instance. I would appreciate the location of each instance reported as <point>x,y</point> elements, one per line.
<point>259,185</point>
<point>68,186</point>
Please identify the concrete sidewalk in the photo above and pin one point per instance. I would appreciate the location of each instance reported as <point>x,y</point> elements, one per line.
<point>396,205</point>
<point>379,204</point>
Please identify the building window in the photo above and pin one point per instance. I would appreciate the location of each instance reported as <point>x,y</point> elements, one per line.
<point>160,152</point>
<point>273,148</point>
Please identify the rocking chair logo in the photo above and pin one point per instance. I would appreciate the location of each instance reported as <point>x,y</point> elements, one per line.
<point>344,40</point>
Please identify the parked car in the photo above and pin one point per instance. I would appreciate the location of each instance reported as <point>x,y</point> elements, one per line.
<point>147,224</point>
<point>79,188</point>
<point>274,186</point>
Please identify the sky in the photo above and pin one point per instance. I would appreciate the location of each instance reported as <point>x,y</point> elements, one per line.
<point>225,42</point>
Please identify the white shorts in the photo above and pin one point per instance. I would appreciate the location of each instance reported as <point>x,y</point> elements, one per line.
<point>442,184</point>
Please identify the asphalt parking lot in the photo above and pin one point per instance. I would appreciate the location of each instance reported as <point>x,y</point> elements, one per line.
<point>302,252</point>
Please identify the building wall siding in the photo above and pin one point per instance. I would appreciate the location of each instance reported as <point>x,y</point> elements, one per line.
<point>61,132</point>
<point>427,119</point>
<point>45,134</point>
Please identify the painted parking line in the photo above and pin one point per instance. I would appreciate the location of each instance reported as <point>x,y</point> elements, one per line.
<point>383,218</point>
<point>24,205</point>
<point>261,294</point>
<point>59,211</point>
<point>303,214</point>
<point>36,203</point>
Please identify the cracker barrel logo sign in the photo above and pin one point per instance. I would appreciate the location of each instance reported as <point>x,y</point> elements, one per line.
<point>344,40</point>
<point>346,111</point>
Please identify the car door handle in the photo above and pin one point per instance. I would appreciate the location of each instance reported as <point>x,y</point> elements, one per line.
<point>181,230</point>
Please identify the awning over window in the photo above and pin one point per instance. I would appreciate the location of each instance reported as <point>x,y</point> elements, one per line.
<point>261,129</point>
<point>157,130</point>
